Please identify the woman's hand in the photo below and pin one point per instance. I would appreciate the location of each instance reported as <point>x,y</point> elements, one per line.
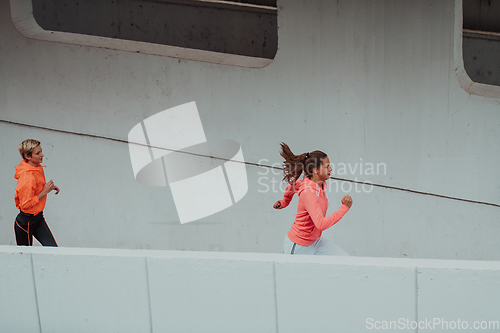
<point>277,205</point>
<point>347,200</point>
<point>47,188</point>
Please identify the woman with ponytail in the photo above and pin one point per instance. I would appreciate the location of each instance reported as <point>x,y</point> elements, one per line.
<point>304,236</point>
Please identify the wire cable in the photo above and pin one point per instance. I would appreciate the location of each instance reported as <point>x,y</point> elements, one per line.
<point>251,163</point>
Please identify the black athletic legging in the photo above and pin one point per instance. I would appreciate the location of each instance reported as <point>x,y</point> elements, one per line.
<point>28,225</point>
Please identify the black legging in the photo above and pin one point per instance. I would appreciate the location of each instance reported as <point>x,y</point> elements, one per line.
<point>28,225</point>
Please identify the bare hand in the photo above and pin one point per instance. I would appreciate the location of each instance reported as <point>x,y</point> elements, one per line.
<point>277,205</point>
<point>347,200</point>
<point>50,187</point>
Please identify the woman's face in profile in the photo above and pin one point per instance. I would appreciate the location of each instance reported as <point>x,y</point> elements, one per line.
<point>325,169</point>
<point>36,156</point>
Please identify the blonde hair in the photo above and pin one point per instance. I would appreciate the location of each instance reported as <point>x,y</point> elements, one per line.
<point>26,147</point>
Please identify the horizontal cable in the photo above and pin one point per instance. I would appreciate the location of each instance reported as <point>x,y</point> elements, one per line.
<point>248,163</point>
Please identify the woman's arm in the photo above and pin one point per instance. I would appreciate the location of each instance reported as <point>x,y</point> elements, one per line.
<point>320,221</point>
<point>26,192</point>
<point>47,188</point>
<point>288,196</point>
<point>27,196</point>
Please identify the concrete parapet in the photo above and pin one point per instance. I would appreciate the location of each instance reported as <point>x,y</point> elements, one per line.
<point>109,290</point>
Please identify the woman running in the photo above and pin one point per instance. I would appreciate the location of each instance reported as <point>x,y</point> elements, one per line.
<point>305,235</point>
<point>31,195</point>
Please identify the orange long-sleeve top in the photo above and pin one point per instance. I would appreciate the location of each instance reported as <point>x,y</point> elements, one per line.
<point>30,182</point>
<point>311,219</point>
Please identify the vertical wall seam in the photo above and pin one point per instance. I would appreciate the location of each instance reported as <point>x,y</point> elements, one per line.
<point>147,141</point>
<point>275,298</point>
<point>416,296</point>
<point>164,169</point>
<point>36,294</point>
<point>228,183</point>
<point>451,53</point>
<point>149,296</point>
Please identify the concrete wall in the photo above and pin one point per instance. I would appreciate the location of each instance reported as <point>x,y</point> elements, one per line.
<point>366,82</point>
<point>106,290</point>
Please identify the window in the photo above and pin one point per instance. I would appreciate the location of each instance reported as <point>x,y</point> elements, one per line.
<point>241,33</point>
<point>481,40</point>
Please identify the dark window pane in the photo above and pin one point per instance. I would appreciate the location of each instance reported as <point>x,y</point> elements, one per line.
<point>227,28</point>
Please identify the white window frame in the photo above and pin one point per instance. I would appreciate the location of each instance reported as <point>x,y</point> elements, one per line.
<point>25,23</point>
<point>476,88</point>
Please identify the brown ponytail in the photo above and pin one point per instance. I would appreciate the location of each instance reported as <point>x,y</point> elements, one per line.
<point>293,166</point>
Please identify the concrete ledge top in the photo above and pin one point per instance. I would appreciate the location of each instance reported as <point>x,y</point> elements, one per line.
<point>262,257</point>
